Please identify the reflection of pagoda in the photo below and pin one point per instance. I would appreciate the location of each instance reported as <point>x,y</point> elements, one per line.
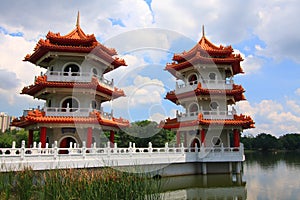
<point>74,89</point>
<point>207,94</point>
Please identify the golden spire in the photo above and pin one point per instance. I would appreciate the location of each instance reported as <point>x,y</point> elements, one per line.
<point>203,33</point>
<point>77,22</point>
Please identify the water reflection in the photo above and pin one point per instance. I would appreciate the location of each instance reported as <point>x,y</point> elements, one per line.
<point>223,186</point>
<point>266,176</point>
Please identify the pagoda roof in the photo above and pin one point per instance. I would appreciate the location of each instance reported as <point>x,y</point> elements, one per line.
<point>41,83</point>
<point>38,116</point>
<point>205,52</point>
<point>74,42</point>
<point>244,121</point>
<point>237,92</point>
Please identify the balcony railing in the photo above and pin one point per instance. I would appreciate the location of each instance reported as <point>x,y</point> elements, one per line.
<point>77,77</point>
<point>206,83</point>
<point>82,112</point>
<point>64,112</point>
<point>211,114</point>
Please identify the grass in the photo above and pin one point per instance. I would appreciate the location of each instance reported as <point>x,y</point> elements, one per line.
<point>83,184</point>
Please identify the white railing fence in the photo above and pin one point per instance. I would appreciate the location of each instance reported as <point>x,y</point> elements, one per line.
<point>77,77</point>
<point>207,114</point>
<point>74,149</point>
<point>206,83</point>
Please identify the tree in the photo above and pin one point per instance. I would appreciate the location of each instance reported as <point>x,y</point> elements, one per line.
<point>266,142</point>
<point>248,142</point>
<point>290,141</point>
<point>143,132</point>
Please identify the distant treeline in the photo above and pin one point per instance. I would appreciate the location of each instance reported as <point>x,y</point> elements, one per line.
<point>267,142</point>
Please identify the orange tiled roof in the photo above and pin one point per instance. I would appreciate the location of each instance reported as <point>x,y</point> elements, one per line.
<point>245,122</point>
<point>76,42</point>
<point>205,52</point>
<point>37,116</point>
<point>237,92</point>
<point>41,83</point>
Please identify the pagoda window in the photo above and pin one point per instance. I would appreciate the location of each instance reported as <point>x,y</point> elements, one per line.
<point>212,76</point>
<point>94,104</point>
<point>95,72</point>
<point>193,79</point>
<point>71,70</point>
<point>49,103</point>
<point>193,109</point>
<point>216,141</point>
<point>51,70</point>
<point>214,105</point>
<point>70,105</point>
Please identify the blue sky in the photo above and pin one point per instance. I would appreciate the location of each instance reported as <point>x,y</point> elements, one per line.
<point>265,33</point>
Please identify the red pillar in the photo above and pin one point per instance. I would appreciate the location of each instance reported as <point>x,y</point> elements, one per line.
<point>43,136</point>
<point>89,137</point>
<point>112,138</point>
<point>202,136</point>
<point>30,138</point>
<point>236,138</point>
<point>178,138</point>
<point>185,140</point>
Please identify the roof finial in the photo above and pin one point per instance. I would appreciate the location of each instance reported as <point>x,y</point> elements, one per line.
<point>77,22</point>
<point>203,33</point>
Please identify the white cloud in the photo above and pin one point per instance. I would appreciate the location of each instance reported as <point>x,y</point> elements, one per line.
<point>272,117</point>
<point>15,74</point>
<point>143,92</point>
<point>294,107</point>
<point>157,117</point>
<point>297,91</point>
<point>278,29</point>
<point>251,63</point>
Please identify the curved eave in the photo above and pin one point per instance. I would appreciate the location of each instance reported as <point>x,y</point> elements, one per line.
<point>44,49</point>
<point>65,40</point>
<point>204,46</point>
<point>236,92</point>
<point>243,121</point>
<point>41,83</point>
<point>95,117</point>
<point>198,59</point>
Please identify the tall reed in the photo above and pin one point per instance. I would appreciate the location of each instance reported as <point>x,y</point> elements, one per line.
<point>83,184</point>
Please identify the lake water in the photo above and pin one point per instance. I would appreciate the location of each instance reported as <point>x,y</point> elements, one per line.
<point>265,176</point>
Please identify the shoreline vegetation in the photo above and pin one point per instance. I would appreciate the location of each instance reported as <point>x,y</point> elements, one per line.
<point>268,142</point>
<point>104,183</point>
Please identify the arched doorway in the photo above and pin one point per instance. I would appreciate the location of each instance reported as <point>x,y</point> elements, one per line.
<point>195,142</point>
<point>65,143</point>
<point>194,109</point>
<point>71,70</point>
<point>70,105</point>
<point>193,79</point>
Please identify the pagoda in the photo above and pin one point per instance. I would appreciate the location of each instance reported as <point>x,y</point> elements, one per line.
<point>207,93</point>
<point>73,88</point>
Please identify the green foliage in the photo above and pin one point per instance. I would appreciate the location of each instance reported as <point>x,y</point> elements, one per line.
<point>267,142</point>
<point>103,183</point>
<point>7,138</point>
<point>290,141</point>
<point>143,132</point>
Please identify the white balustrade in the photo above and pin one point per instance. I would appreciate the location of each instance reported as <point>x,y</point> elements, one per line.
<point>84,112</point>
<point>206,83</point>
<point>77,77</point>
<point>63,112</point>
<point>211,114</point>
<point>218,84</point>
<point>77,157</point>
